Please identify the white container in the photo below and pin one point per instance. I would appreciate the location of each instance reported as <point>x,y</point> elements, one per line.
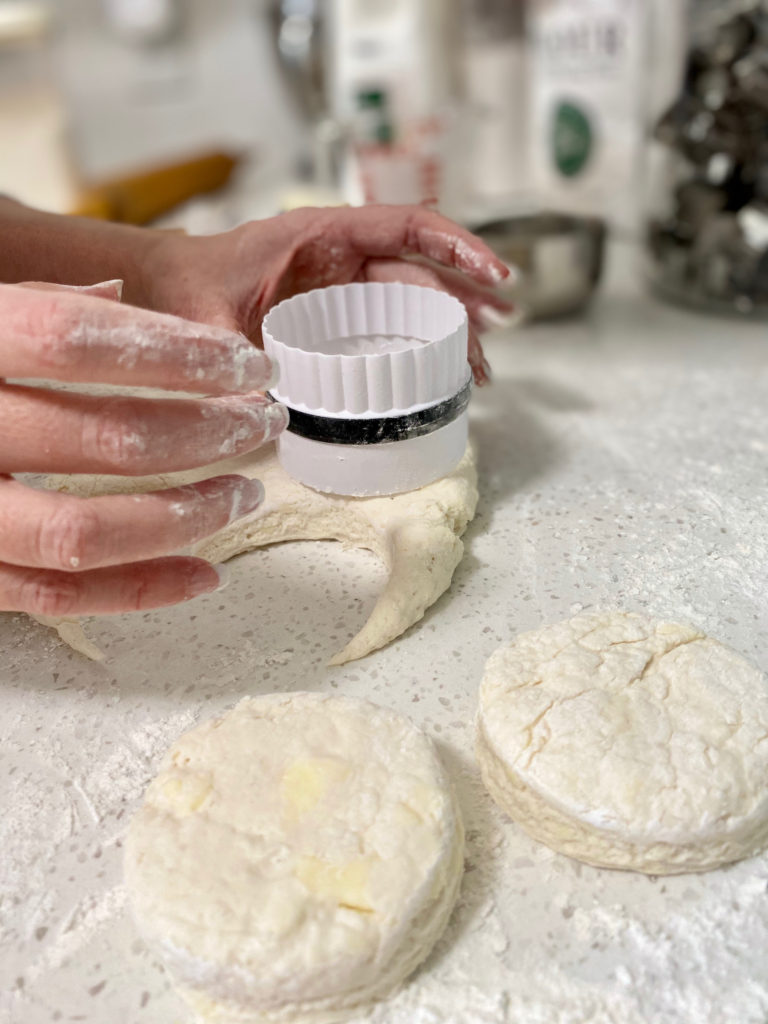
<point>408,52</point>
<point>407,48</point>
<point>377,383</point>
<point>587,87</point>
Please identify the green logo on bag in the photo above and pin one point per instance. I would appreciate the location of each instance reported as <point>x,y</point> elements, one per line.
<point>571,139</point>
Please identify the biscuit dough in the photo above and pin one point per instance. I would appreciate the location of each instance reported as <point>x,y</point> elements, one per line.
<point>416,535</point>
<point>627,742</point>
<point>295,859</point>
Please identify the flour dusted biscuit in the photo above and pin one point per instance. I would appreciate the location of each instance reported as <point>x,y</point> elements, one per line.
<point>629,743</point>
<point>295,859</point>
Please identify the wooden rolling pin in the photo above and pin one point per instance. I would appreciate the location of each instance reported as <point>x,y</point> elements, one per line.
<point>142,197</point>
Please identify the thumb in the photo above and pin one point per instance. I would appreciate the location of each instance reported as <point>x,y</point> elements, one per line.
<point>103,290</point>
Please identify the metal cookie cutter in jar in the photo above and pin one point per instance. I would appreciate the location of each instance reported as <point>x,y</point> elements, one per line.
<point>708,228</point>
<point>376,380</point>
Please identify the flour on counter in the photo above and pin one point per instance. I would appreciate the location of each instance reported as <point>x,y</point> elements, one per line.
<point>623,465</point>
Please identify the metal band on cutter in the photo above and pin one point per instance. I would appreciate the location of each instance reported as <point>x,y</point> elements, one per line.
<point>381,430</point>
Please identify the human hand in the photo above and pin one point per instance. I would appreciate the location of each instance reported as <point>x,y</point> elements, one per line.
<point>61,555</point>
<point>233,279</point>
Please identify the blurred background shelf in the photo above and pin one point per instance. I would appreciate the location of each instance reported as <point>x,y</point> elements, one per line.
<point>100,89</point>
<point>495,108</point>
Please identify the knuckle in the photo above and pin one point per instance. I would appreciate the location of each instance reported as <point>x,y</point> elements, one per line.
<point>66,539</point>
<point>49,321</point>
<point>116,438</point>
<point>52,596</point>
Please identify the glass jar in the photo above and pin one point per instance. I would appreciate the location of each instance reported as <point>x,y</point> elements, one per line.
<point>707,230</point>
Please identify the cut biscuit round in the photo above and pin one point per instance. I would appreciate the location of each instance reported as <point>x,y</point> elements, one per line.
<point>626,742</point>
<point>295,859</point>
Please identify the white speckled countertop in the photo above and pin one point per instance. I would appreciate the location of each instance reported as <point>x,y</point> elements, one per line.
<point>622,464</point>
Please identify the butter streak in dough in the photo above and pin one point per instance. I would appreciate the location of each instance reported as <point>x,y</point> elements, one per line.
<point>295,859</point>
<point>416,535</point>
<point>627,742</point>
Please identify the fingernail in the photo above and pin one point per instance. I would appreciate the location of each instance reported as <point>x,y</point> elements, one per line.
<point>204,579</point>
<point>482,373</point>
<point>276,420</point>
<point>493,317</point>
<point>222,571</point>
<point>107,289</point>
<point>116,286</point>
<point>274,374</point>
<point>254,370</point>
<point>247,496</point>
<point>498,273</point>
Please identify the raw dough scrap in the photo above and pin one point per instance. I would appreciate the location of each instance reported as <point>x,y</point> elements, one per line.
<point>416,535</point>
<point>295,859</point>
<point>627,742</point>
<point>72,633</point>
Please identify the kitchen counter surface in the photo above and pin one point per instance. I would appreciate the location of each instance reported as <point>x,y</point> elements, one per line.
<point>622,464</point>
